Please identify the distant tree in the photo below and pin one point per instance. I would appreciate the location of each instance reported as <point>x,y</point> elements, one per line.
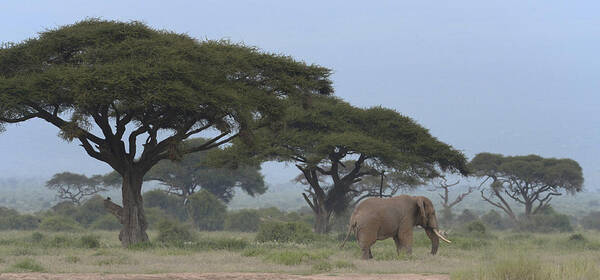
<point>441,184</point>
<point>207,211</point>
<point>107,84</point>
<point>77,187</point>
<point>528,180</point>
<point>195,172</point>
<point>331,138</point>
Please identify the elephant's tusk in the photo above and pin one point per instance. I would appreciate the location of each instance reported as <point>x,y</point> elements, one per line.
<point>440,235</point>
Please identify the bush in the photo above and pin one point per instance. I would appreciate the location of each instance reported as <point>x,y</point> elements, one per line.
<point>285,232</point>
<point>222,244</point>
<point>170,232</point>
<point>591,220</point>
<point>208,212</point>
<point>170,204</point>
<point>466,216</point>
<point>90,211</point>
<point>89,241</point>
<point>547,220</point>
<point>243,220</point>
<point>494,220</point>
<point>18,222</point>
<point>154,216</point>
<point>106,222</point>
<point>59,223</point>
<point>476,227</point>
<point>27,265</point>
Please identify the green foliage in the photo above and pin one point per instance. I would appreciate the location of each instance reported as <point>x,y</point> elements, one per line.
<point>59,223</point>
<point>546,220</point>
<point>154,216</point>
<point>106,222</point>
<point>199,171</point>
<point>230,244</point>
<point>89,241</point>
<point>321,267</point>
<point>296,257</point>
<point>170,232</point>
<point>36,237</point>
<point>533,179</point>
<point>90,210</point>
<point>208,212</point>
<point>27,265</point>
<point>285,232</point>
<point>170,204</point>
<point>494,220</point>
<point>12,221</point>
<point>591,220</point>
<point>75,187</point>
<point>243,220</point>
<point>466,216</point>
<point>476,227</point>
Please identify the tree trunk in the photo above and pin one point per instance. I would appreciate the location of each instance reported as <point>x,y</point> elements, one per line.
<point>133,218</point>
<point>322,221</point>
<point>528,209</point>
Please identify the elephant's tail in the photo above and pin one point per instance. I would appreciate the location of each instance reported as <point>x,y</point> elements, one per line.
<point>351,228</point>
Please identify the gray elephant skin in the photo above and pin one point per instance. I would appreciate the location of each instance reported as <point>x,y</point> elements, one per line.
<point>381,218</point>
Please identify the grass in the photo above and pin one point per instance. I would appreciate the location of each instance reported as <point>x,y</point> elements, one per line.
<point>499,255</point>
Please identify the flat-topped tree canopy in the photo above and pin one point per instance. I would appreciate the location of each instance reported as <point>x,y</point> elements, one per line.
<point>106,83</point>
<point>530,180</point>
<point>324,136</point>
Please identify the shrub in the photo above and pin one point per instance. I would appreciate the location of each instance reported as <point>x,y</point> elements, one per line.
<point>285,232</point>
<point>154,216</point>
<point>170,204</point>
<point>591,220</point>
<point>18,222</point>
<point>27,265</point>
<point>59,223</point>
<point>494,220</point>
<point>36,237</point>
<point>476,227</point>
<point>171,232</point>
<point>207,211</point>
<point>243,220</point>
<point>547,220</point>
<point>89,241</point>
<point>106,222</point>
<point>222,244</point>
<point>321,266</point>
<point>90,211</point>
<point>466,216</point>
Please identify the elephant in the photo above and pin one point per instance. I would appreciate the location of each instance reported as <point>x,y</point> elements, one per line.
<point>381,218</point>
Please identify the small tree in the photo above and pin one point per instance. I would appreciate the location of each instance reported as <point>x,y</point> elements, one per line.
<point>447,203</point>
<point>207,211</point>
<point>76,187</point>
<point>195,172</point>
<point>528,180</point>
<point>112,86</point>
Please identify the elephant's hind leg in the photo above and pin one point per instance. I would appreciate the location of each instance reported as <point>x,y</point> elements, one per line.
<point>398,244</point>
<point>366,239</point>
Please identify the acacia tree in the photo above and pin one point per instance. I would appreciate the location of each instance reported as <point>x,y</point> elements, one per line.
<point>528,180</point>
<point>334,139</point>
<point>76,187</point>
<point>195,171</point>
<point>111,85</point>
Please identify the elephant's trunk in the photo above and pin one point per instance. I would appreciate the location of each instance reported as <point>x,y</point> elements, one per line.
<point>435,240</point>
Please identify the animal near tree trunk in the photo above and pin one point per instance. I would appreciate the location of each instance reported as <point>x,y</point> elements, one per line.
<point>132,217</point>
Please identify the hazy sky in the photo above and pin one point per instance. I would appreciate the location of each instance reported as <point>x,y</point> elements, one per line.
<point>510,77</point>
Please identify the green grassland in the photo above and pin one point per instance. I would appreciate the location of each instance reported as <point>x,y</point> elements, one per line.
<point>497,255</point>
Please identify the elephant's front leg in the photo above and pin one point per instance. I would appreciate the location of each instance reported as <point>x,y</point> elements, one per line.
<point>405,238</point>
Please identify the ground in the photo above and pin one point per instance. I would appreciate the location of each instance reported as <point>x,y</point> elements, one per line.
<point>217,276</point>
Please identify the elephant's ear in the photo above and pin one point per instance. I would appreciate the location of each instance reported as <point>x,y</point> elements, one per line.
<point>421,206</point>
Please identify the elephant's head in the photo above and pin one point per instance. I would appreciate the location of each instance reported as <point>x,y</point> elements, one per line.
<point>426,219</point>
